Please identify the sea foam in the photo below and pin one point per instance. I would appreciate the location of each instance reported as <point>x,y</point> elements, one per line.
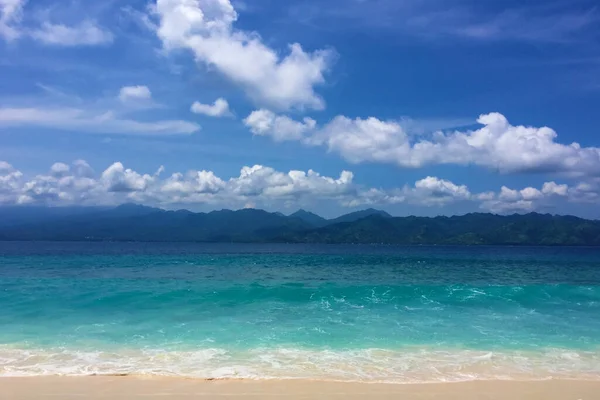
<point>367,365</point>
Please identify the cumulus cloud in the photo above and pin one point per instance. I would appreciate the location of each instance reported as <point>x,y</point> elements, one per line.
<point>265,181</point>
<point>83,120</point>
<point>585,192</point>
<point>260,185</point>
<point>135,93</point>
<point>63,184</point>
<point>280,128</point>
<point>194,182</point>
<point>435,191</point>
<point>220,108</point>
<point>527,199</point>
<point>59,170</point>
<point>496,145</point>
<point>10,15</point>
<point>550,188</point>
<point>10,183</point>
<point>86,33</point>
<point>118,179</point>
<point>206,27</point>
<point>429,192</point>
<point>77,184</point>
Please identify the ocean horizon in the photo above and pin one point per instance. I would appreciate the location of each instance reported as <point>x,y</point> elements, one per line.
<point>369,313</point>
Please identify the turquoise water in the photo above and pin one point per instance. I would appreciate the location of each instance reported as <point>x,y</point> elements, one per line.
<point>368,313</point>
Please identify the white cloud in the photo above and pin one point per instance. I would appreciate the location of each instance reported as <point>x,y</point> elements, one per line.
<point>118,179</point>
<point>267,182</point>
<point>530,193</point>
<point>496,145</point>
<point>10,183</point>
<point>585,192</point>
<point>433,190</point>
<point>281,128</point>
<point>194,182</point>
<point>206,28</point>
<point>509,194</point>
<point>429,192</point>
<point>485,196</point>
<point>375,197</point>
<point>524,200</point>
<point>10,15</point>
<point>361,140</point>
<point>77,184</point>
<point>5,167</point>
<point>82,120</point>
<point>86,33</point>
<point>554,188</point>
<point>59,170</point>
<point>220,108</point>
<point>82,168</point>
<point>64,184</point>
<point>135,93</point>
<point>506,207</point>
<point>264,186</point>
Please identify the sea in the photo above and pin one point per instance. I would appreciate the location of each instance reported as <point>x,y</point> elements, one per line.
<point>326,312</point>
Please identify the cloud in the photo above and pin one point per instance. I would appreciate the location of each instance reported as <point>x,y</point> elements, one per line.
<point>192,183</point>
<point>435,191</point>
<point>527,199</point>
<point>260,180</point>
<point>429,192</point>
<point>497,144</point>
<point>585,192</point>
<point>135,93</point>
<point>59,170</point>
<point>86,33</point>
<point>118,179</point>
<point>83,120</point>
<point>77,184</point>
<point>206,28</point>
<point>63,184</point>
<point>220,108</point>
<point>280,128</point>
<point>553,188</point>
<point>525,25</point>
<point>11,12</point>
<point>10,183</point>
<point>528,22</point>
<point>263,186</point>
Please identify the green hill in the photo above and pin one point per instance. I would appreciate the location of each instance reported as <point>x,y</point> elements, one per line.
<point>139,223</point>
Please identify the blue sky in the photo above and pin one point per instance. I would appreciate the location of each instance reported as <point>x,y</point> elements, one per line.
<point>416,107</point>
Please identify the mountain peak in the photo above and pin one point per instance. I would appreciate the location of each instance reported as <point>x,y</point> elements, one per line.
<point>302,212</point>
<point>355,216</point>
<point>309,217</point>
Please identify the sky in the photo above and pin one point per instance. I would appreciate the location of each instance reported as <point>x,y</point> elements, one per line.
<point>416,107</point>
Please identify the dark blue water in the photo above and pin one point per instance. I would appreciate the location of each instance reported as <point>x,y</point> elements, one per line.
<point>376,313</point>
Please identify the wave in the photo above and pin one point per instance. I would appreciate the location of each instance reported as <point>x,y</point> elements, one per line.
<point>413,365</point>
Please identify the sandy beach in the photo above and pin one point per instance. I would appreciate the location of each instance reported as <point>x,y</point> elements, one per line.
<point>134,388</point>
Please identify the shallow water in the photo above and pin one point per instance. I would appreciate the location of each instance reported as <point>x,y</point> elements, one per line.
<point>369,313</point>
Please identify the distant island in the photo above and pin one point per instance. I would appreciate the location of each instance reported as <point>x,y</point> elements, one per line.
<point>132,222</point>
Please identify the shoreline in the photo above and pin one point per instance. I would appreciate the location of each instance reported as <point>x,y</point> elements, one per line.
<point>165,388</point>
<point>364,366</point>
<point>309,380</point>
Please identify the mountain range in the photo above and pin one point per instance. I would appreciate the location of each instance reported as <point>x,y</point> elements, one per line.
<point>132,222</point>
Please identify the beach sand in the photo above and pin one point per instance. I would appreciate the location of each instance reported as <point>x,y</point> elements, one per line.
<point>137,388</point>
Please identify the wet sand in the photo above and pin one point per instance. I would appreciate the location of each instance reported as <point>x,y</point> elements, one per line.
<point>137,388</point>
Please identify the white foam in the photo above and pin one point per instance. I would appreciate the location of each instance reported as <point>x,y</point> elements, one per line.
<point>368,365</point>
